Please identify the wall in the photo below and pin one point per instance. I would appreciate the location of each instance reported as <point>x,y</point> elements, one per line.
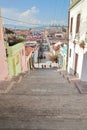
<point>14,65</point>
<point>84,68</point>
<point>23,60</point>
<point>81,8</point>
<point>3,61</point>
<point>63,51</point>
<point>16,59</point>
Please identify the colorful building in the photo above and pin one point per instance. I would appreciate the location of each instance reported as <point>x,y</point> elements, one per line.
<point>16,59</point>
<point>34,45</point>
<point>77,57</point>
<point>63,59</point>
<point>29,59</point>
<point>3,61</point>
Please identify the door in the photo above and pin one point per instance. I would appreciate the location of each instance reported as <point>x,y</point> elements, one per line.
<point>76,63</point>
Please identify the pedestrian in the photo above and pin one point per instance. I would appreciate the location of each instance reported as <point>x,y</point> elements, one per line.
<point>50,66</point>
<point>42,66</point>
<point>44,57</point>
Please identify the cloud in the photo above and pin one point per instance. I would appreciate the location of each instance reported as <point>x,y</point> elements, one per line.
<point>28,16</point>
<point>29,12</point>
<point>57,22</point>
<point>9,13</point>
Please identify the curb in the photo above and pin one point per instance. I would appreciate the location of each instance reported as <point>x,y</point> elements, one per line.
<point>78,86</point>
<point>70,79</point>
<point>9,87</point>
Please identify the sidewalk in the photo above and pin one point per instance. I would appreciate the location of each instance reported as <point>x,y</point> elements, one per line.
<point>80,85</point>
<point>5,86</point>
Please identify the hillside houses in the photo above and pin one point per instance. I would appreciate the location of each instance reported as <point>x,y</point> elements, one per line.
<point>15,56</point>
<point>19,52</point>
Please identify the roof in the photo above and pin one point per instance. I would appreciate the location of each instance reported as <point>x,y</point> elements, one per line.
<point>28,50</point>
<point>75,2</point>
<point>7,30</point>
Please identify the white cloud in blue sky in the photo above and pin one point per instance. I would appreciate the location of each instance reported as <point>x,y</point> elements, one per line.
<point>36,11</point>
<point>29,16</point>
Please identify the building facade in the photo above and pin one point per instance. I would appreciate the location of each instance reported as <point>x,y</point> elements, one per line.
<point>16,59</point>
<point>3,61</point>
<point>77,56</point>
<point>63,60</point>
<point>29,58</point>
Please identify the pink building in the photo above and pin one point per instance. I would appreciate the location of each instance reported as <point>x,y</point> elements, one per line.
<point>3,61</point>
<point>23,60</point>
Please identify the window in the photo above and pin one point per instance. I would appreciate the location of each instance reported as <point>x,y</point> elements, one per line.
<point>70,53</point>
<point>78,23</point>
<point>71,25</point>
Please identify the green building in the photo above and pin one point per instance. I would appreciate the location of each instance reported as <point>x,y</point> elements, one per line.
<point>16,59</point>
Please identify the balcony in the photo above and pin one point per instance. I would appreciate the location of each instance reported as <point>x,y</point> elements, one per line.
<point>77,37</point>
<point>73,3</point>
<point>70,37</point>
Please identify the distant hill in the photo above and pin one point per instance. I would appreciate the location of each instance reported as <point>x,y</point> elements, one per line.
<point>33,27</point>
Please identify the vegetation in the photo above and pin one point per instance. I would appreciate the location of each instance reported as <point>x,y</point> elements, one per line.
<point>82,44</point>
<point>14,40</point>
<point>53,58</point>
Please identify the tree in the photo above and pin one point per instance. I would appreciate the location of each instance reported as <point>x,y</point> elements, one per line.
<point>53,58</point>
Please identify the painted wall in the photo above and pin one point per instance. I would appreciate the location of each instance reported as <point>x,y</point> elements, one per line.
<point>16,59</point>
<point>35,56</point>
<point>84,68</point>
<point>23,59</point>
<point>81,8</point>
<point>3,61</point>
<point>29,61</point>
<point>63,51</point>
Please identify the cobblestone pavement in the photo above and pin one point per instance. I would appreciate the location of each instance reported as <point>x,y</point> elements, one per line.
<point>43,100</point>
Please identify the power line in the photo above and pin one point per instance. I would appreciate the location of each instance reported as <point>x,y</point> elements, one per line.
<point>18,21</point>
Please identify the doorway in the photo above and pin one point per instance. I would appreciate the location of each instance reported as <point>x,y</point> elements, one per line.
<point>76,63</point>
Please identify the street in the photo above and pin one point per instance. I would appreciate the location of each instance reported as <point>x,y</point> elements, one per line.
<point>43,100</point>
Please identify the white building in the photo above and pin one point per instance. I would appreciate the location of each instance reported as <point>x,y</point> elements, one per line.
<point>59,35</point>
<point>77,58</point>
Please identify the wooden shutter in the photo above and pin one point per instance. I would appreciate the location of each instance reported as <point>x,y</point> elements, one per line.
<point>78,23</point>
<point>71,25</point>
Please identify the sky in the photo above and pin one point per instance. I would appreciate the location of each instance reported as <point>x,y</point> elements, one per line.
<point>35,12</point>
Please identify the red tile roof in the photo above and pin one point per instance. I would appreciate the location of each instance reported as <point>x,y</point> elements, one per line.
<point>28,50</point>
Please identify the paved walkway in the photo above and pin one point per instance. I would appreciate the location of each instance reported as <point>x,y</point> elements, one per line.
<point>80,85</point>
<point>6,86</point>
<point>43,100</point>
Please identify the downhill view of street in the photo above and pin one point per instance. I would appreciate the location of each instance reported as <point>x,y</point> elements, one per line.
<point>43,100</point>
<point>43,65</point>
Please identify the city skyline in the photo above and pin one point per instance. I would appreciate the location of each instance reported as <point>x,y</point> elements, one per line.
<point>35,12</point>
